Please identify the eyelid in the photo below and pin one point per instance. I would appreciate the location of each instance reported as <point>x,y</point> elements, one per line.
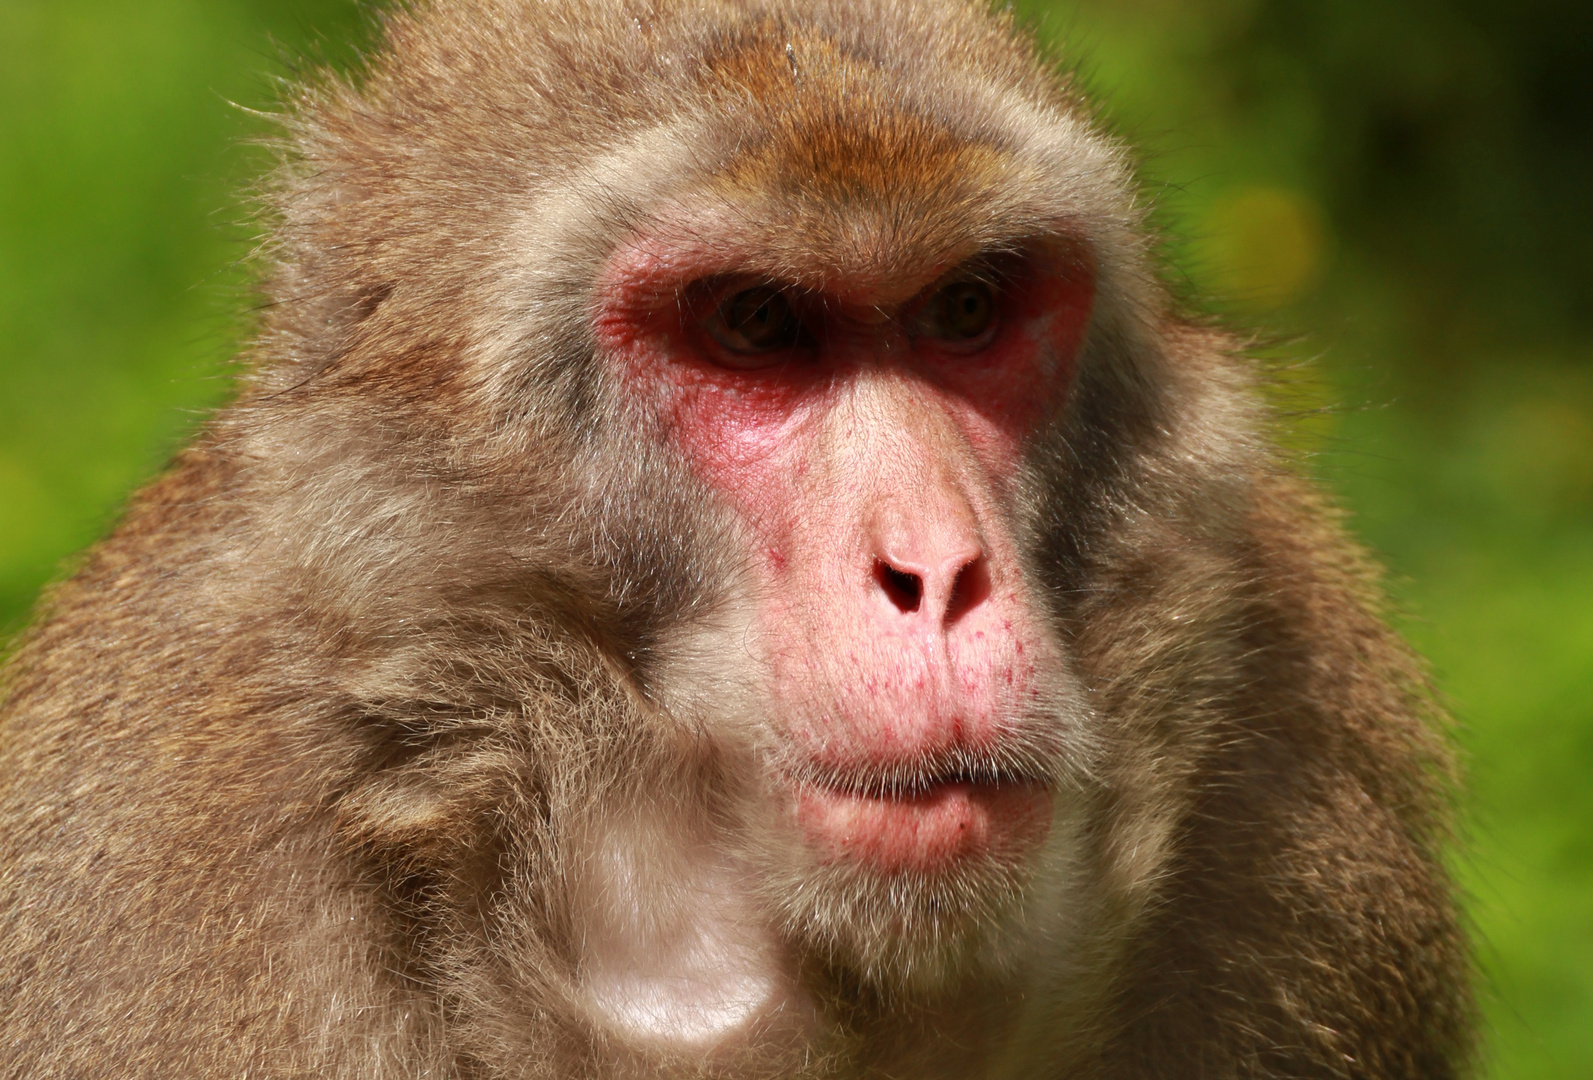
<point>706,297</point>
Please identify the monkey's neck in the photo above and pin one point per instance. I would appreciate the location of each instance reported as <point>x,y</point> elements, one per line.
<point>674,954</point>
<point>679,962</point>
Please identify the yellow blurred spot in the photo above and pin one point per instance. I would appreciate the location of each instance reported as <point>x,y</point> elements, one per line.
<point>1539,453</point>
<point>1265,246</point>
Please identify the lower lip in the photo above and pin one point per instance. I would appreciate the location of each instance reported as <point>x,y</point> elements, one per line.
<point>928,830</point>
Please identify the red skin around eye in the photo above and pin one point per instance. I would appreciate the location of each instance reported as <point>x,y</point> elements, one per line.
<point>870,445</point>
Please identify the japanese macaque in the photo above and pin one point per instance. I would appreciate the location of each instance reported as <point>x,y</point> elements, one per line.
<point>725,562</point>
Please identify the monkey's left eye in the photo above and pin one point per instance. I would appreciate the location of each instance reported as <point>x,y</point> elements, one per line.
<point>753,323</point>
<point>960,313</point>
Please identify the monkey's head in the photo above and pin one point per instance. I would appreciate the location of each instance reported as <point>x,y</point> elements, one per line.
<point>756,339</point>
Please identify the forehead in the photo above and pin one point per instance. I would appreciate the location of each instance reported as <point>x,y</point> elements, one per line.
<point>835,164</point>
<point>832,122</point>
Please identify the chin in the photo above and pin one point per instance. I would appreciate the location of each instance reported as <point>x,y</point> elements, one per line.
<point>910,893</point>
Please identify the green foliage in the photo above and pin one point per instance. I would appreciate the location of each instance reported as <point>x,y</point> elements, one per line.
<point>1398,186</point>
<point>120,239</point>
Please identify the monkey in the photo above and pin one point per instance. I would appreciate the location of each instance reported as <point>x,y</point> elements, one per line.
<point>726,560</point>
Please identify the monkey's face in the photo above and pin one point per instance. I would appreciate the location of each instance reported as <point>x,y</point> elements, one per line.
<point>867,432</point>
<point>813,347</point>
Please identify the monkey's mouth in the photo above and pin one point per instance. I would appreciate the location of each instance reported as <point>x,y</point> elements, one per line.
<point>911,782</point>
<point>921,819</point>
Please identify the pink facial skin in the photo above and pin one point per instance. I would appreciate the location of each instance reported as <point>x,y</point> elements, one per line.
<point>874,462</point>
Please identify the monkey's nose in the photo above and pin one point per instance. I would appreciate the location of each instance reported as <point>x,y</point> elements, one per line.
<point>905,590</point>
<point>929,558</point>
<point>943,593</point>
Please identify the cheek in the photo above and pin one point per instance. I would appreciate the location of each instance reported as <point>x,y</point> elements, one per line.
<point>754,448</point>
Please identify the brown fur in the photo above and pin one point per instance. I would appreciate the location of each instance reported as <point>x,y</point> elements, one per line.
<point>292,771</point>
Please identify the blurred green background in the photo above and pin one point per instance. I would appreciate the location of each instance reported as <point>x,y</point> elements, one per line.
<point>1399,192</point>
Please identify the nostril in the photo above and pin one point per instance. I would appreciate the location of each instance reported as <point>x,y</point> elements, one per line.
<point>906,591</point>
<point>970,589</point>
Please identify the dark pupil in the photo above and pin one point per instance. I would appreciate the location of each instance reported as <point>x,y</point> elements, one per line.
<point>967,310</point>
<point>761,318</point>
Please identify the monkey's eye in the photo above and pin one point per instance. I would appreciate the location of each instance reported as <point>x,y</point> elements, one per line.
<point>755,322</point>
<point>960,313</point>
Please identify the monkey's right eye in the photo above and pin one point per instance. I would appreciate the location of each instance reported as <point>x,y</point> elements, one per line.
<point>962,313</point>
<point>754,323</point>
